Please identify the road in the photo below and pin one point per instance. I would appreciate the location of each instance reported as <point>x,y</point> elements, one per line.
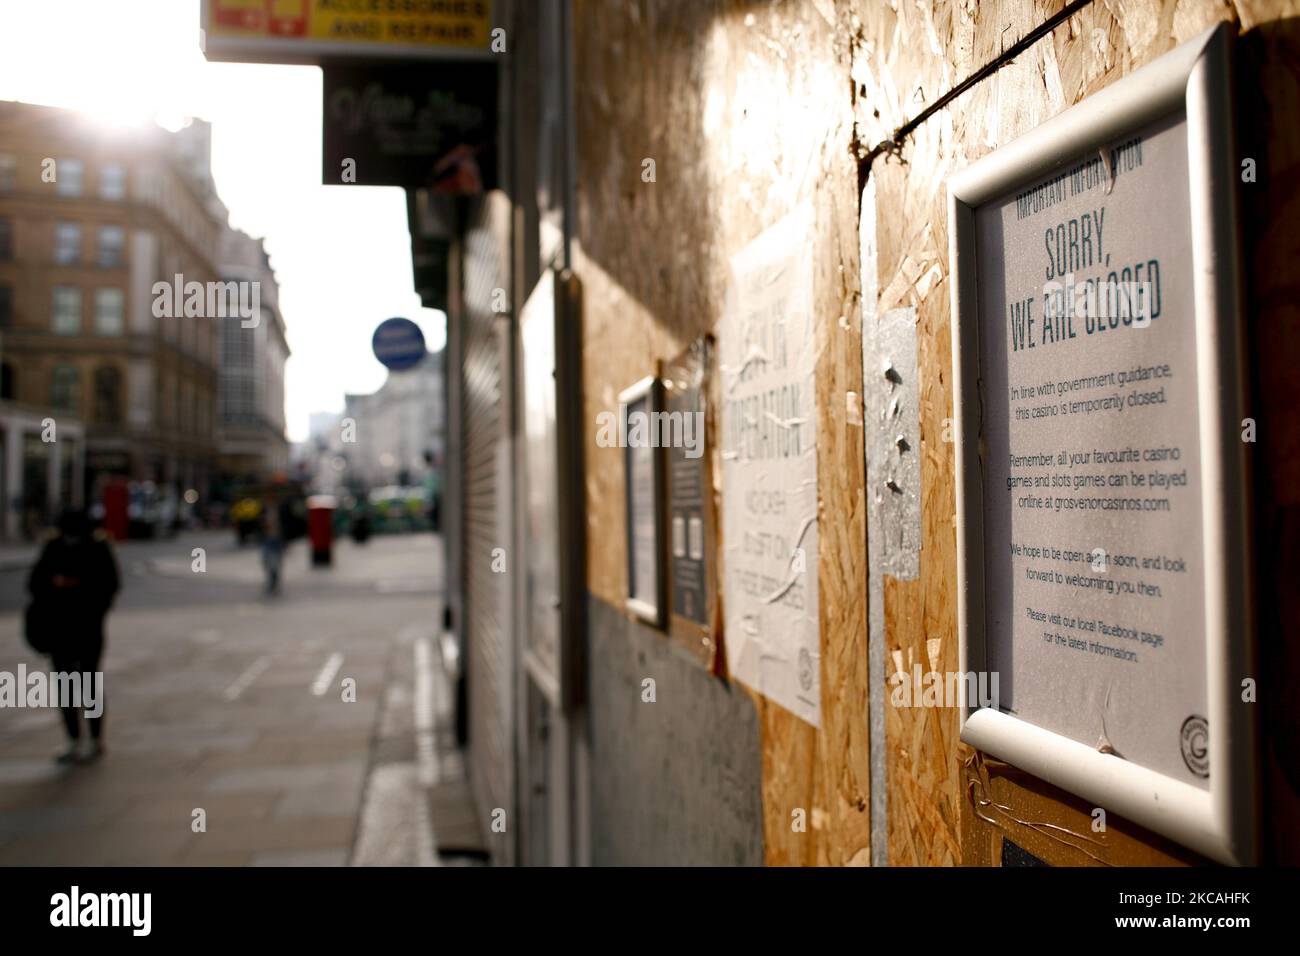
<point>231,735</point>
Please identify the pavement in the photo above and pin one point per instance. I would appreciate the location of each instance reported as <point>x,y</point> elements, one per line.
<point>17,557</point>
<point>308,728</point>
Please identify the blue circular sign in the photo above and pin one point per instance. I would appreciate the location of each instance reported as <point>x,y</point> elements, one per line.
<point>399,344</point>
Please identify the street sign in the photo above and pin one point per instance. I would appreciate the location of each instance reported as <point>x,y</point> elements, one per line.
<point>317,31</point>
<point>398,344</point>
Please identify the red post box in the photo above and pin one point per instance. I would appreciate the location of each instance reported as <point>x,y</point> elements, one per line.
<point>115,517</point>
<point>320,528</point>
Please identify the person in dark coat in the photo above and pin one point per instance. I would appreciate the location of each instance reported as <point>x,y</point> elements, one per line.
<point>277,530</point>
<point>72,586</point>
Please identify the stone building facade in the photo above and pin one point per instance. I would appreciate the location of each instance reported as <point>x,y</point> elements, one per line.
<point>91,217</point>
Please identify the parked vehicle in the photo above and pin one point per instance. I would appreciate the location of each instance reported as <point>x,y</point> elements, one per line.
<point>397,508</point>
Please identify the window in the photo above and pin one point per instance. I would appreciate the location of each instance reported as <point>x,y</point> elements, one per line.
<point>8,382</point>
<point>65,388</point>
<point>112,182</point>
<point>238,401</point>
<point>67,310</point>
<point>67,243</point>
<point>110,311</point>
<point>236,345</point>
<point>112,247</point>
<point>69,174</point>
<point>6,306</point>
<point>6,239</point>
<point>8,172</point>
<point>108,395</point>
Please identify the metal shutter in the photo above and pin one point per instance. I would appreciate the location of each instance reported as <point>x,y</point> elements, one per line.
<point>487,513</point>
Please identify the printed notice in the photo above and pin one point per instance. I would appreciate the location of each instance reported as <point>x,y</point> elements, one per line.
<point>1093,497</point>
<point>767,360</point>
<point>688,484</point>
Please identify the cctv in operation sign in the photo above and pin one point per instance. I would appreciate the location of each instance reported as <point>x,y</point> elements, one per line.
<point>315,31</point>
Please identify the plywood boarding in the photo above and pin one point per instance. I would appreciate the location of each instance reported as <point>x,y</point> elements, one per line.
<point>743,109</point>
<point>946,805</point>
<point>749,108</point>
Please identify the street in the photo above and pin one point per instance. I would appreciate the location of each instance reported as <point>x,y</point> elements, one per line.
<point>307,728</point>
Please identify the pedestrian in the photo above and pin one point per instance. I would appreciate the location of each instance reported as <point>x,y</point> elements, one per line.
<point>273,538</point>
<point>72,587</point>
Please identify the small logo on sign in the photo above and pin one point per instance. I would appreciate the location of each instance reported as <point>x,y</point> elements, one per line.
<point>1195,739</point>
<point>805,669</point>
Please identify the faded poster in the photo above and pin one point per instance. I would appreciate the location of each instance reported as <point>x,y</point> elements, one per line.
<point>767,359</point>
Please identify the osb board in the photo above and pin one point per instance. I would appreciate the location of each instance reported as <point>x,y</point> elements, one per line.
<point>1053,825</point>
<point>743,108</point>
<point>904,58</point>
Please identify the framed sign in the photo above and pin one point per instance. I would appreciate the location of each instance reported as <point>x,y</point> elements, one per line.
<point>639,408</point>
<point>692,564</point>
<point>1103,562</point>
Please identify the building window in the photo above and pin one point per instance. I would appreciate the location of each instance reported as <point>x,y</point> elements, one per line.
<point>6,306</point>
<point>112,182</point>
<point>8,172</point>
<point>65,389</point>
<point>236,345</point>
<point>6,239</point>
<point>8,383</point>
<point>67,310</point>
<point>108,395</point>
<point>67,243</point>
<point>110,311</point>
<point>112,247</point>
<point>69,174</point>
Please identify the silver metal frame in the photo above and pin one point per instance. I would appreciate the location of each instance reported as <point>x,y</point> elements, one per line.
<point>650,389</point>
<point>1220,822</point>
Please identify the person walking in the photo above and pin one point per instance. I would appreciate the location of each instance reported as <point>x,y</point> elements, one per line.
<point>73,585</point>
<point>273,539</point>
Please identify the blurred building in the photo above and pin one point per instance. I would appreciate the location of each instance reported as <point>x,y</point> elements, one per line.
<point>91,217</point>
<point>250,428</point>
<point>321,459</point>
<point>399,430</point>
